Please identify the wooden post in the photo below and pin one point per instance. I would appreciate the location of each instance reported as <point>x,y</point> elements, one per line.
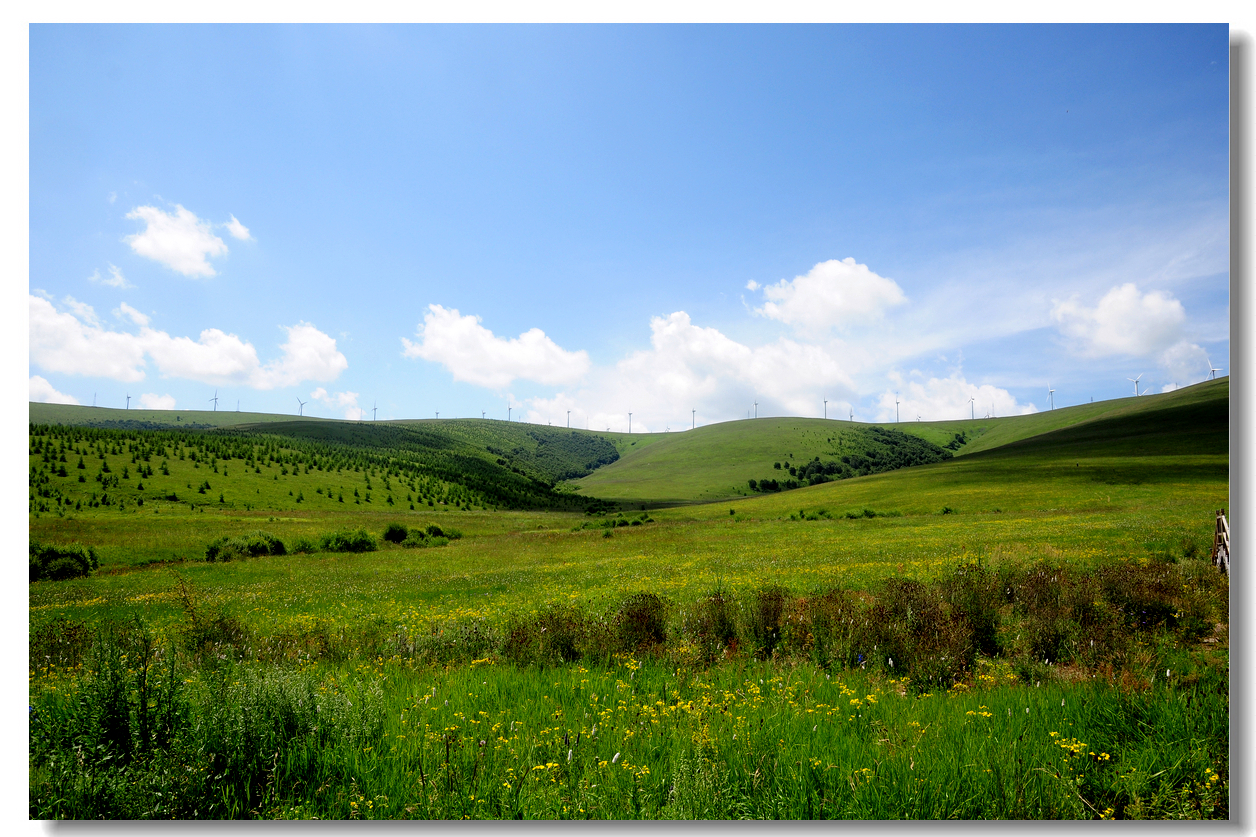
<point>1221,543</point>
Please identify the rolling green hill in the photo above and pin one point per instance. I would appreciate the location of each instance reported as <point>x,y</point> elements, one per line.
<point>716,462</point>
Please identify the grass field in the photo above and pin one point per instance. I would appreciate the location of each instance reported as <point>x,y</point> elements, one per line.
<point>467,679</point>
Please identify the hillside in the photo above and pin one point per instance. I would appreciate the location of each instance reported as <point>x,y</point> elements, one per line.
<point>1174,445</point>
<point>716,462</point>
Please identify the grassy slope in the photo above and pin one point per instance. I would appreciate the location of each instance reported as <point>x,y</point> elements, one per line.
<point>1130,486</point>
<point>73,414</point>
<point>714,462</point>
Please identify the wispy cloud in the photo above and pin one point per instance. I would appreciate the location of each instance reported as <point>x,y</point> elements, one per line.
<point>238,230</point>
<point>346,401</point>
<point>153,401</point>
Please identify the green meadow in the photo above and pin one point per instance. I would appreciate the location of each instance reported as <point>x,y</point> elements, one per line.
<point>570,624</point>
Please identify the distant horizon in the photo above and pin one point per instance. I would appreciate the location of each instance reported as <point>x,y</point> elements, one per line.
<point>590,429</point>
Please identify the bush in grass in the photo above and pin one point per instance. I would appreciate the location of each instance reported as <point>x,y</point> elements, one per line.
<point>826,628</point>
<point>348,540</point>
<point>765,617</point>
<point>712,624</point>
<point>302,545</point>
<point>395,533</point>
<point>641,622</point>
<point>972,592</point>
<point>244,546</point>
<point>558,634</point>
<point>57,563</point>
<point>910,632</point>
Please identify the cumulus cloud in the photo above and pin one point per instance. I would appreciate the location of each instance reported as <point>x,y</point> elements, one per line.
<point>347,401</point>
<point>1123,322</point>
<point>115,280</point>
<point>947,399</point>
<point>238,230</point>
<point>44,392</point>
<point>63,342</point>
<point>833,294</point>
<point>691,367</point>
<point>153,401</point>
<point>179,240</point>
<point>475,355</point>
<point>1185,363</point>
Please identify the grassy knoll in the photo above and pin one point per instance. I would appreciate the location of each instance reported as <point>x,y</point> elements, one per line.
<point>1028,631</point>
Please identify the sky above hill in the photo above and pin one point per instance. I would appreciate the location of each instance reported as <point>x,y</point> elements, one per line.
<point>690,224</point>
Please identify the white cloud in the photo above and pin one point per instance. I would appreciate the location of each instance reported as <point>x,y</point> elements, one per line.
<point>113,196</point>
<point>238,230</point>
<point>153,401</point>
<point>474,354</point>
<point>62,342</point>
<point>691,367</point>
<point>1124,322</point>
<point>181,241</point>
<point>81,310</point>
<point>348,401</point>
<point>130,313</point>
<point>115,280</point>
<point>752,285</point>
<point>1185,363</point>
<point>832,294</point>
<point>947,399</point>
<point>42,391</point>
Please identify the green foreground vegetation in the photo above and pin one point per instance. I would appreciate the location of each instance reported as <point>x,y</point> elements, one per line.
<point>1026,630</point>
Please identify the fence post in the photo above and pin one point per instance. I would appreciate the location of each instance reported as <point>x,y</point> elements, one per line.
<point>1221,543</point>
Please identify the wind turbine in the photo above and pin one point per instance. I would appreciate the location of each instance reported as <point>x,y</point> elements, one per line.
<point>1051,395</point>
<point>1136,380</point>
<point>482,414</point>
<point>896,408</point>
<point>1212,371</point>
<point>917,416</point>
<point>630,422</point>
<point>756,409</point>
<point>215,400</point>
<point>301,407</point>
<point>826,408</point>
<point>128,400</point>
<point>852,413</point>
<point>375,408</point>
<point>972,409</point>
<point>693,419</point>
<point>569,419</point>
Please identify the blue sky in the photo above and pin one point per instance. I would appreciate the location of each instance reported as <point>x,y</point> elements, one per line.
<point>614,219</point>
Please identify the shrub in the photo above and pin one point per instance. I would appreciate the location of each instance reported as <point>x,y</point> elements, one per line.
<point>57,563</point>
<point>972,592</point>
<point>826,628</point>
<point>641,622</point>
<point>558,634</point>
<point>765,617</point>
<point>348,540</point>
<point>244,546</point>
<point>911,633</point>
<point>395,533</point>
<point>713,624</point>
